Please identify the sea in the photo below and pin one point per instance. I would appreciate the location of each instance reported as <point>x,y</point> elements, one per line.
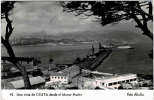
<point>120,61</point>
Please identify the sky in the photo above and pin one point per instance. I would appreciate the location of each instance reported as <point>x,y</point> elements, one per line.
<point>49,18</point>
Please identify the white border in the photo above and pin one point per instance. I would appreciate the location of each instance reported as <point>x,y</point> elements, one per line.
<point>85,94</point>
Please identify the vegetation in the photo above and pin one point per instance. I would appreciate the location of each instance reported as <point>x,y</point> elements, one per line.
<point>6,8</point>
<point>109,12</point>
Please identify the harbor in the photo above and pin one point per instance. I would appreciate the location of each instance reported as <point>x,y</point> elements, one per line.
<point>81,74</point>
<point>86,45</point>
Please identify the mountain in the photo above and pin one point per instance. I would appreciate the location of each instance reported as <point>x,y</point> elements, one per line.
<point>112,36</point>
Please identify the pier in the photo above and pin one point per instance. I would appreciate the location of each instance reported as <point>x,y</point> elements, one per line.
<point>92,61</point>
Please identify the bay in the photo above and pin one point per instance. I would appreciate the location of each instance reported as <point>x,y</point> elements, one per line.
<point>120,61</point>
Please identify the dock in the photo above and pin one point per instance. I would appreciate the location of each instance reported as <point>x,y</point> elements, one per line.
<point>93,61</point>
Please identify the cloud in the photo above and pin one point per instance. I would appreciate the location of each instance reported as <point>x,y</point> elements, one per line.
<point>31,17</point>
<point>35,17</point>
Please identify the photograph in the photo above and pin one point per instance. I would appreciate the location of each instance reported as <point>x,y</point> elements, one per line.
<point>77,45</point>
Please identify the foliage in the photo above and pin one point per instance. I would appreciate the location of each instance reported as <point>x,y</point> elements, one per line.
<point>6,7</point>
<point>107,12</point>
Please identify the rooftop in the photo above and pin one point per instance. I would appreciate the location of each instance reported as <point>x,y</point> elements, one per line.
<point>58,74</point>
<point>33,81</point>
<point>70,69</point>
<point>118,76</point>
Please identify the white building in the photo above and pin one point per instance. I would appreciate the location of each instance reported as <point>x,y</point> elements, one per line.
<point>112,82</point>
<point>59,77</point>
<point>63,76</point>
<point>116,81</point>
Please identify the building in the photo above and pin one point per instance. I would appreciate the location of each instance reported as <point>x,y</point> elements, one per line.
<point>8,70</point>
<point>57,80</point>
<point>59,77</point>
<point>63,77</point>
<point>71,71</point>
<point>5,69</point>
<point>116,81</point>
<point>36,82</point>
<point>86,83</point>
<point>111,82</point>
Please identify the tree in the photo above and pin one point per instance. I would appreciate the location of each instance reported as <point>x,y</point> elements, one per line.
<point>77,60</point>
<point>6,8</point>
<point>50,60</point>
<point>107,12</point>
